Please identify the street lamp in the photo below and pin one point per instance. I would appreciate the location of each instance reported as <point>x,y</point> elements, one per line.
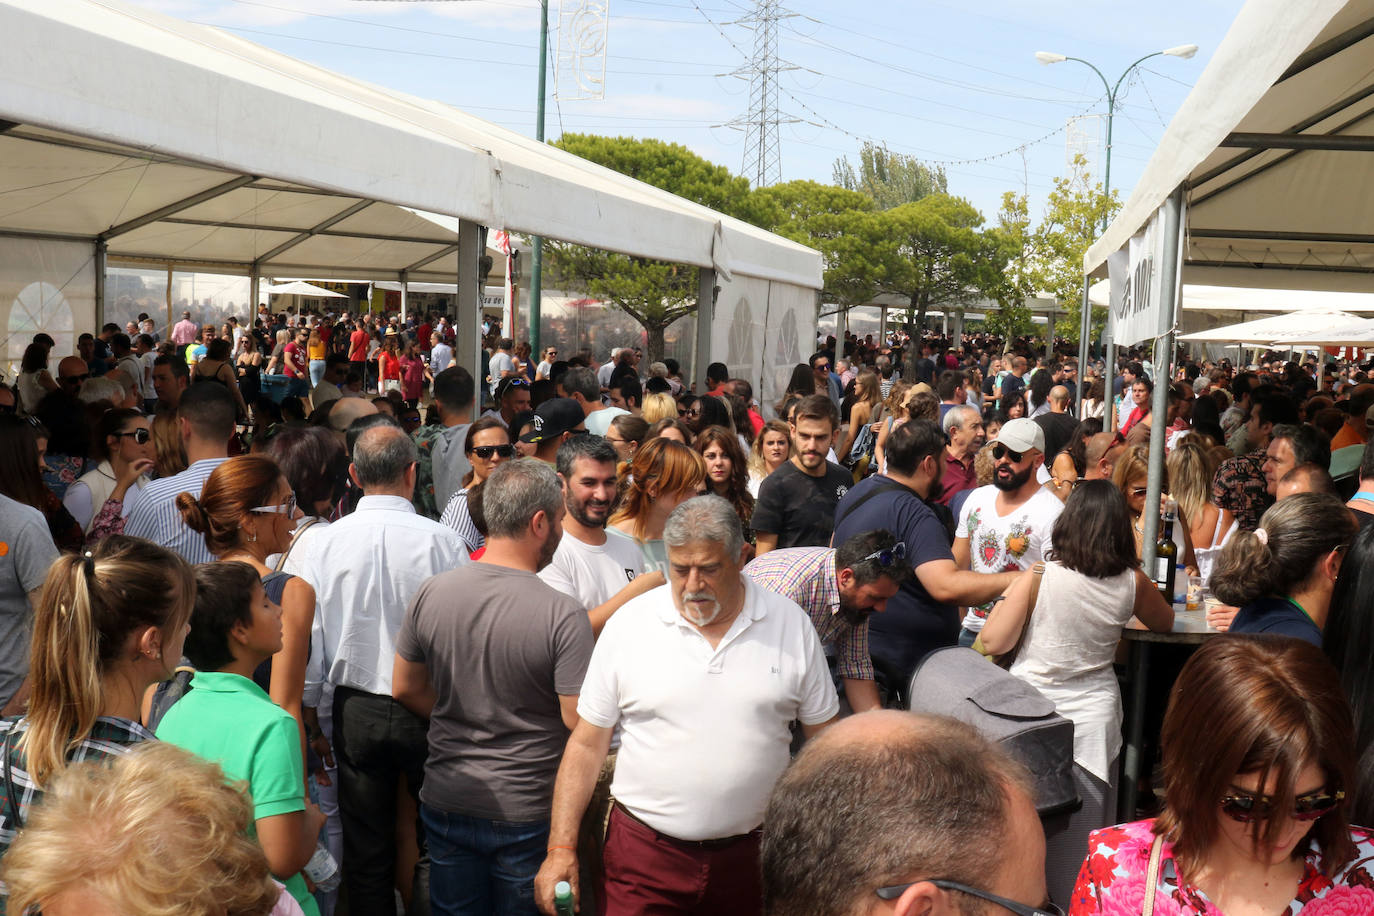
<point>1047,58</point>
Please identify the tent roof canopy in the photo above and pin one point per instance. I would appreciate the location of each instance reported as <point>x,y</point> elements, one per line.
<point>1273,147</point>
<point>169,140</point>
<point>1263,331</point>
<point>1200,298</point>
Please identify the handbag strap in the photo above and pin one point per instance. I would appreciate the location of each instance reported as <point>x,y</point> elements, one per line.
<point>11,805</point>
<point>1152,878</point>
<point>281,560</point>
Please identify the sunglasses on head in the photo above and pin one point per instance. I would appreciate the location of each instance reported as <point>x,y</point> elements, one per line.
<point>486,451</point>
<point>888,556</point>
<point>140,435</point>
<point>1000,451</point>
<point>1020,909</point>
<point>1245,807</point>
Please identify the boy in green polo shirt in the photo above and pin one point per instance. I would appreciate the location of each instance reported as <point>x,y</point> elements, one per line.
<point>227,718</point>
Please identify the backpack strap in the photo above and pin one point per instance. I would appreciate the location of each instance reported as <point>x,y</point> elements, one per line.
<point>882,485</point>
<point>11,806</point>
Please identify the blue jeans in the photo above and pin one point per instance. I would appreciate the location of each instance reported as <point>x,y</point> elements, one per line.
<point>966,637</point>
<point>480,866</point>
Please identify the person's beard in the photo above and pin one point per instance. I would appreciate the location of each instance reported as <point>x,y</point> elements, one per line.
<point>582,511</point>
<point>854,615</point>
<point>1014,480</point>
<point>701,620</point>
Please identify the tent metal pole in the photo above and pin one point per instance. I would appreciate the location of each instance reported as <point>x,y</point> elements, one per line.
<point>467,315</point>
<point>404,283</point>
<point>537,242</point>
<point>100,250</point>
<point>1085,325</point>
<point>1109,417</point>
<point>707,291</point>
<point>254,287</point>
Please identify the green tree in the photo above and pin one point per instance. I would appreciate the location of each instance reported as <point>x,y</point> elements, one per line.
<point>1075,212</point>
<point>891,179</point>
<point>932,253</point>
<point>1019,279</point>
<point>654,293</point>
<point>833,221</point>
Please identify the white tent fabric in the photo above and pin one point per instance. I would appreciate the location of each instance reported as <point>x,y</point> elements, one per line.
<point>1273,149</point>
<point>301,288</point>
<point>129,111</point>
<point>1262,331</point>
<point>1202,298</point>
<point>1358,332</point>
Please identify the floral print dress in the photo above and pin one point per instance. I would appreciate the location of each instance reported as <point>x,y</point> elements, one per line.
<point>1112,881</point>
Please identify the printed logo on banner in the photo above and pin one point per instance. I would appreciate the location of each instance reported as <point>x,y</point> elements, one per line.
<point>740,355</point>
<point>1137,294</point>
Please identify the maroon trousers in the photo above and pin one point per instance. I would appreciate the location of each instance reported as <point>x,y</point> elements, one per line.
<point>649,874</point>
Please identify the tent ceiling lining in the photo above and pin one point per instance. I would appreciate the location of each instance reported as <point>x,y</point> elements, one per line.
<point>1281,236</point>
<point>1328,49</point>
<point>333,233</point>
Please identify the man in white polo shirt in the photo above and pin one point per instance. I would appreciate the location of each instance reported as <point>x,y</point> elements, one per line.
<point>702,677</point>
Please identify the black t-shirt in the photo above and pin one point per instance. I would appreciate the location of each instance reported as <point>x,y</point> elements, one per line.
<point>914,622</point>
<point>799,508</point>
<point>1011,390</point>
<point>1058,429</point>
<point>925,370</point>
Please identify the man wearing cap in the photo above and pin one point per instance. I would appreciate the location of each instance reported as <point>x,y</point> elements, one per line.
<point>1005,526</point>
<point>555,421</point>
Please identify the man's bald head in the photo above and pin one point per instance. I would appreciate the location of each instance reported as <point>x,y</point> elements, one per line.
<point>872,802</point>
<point>1059,398</point>
<point>383,458</point>
<point>345,410</point>
<point>1096,458</point>
<point>71,372</point>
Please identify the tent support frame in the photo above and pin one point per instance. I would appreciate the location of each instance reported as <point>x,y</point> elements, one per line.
<point>186,203</point>
<point>467,315</point>
<point>307,234</point>
<point>707,291</point>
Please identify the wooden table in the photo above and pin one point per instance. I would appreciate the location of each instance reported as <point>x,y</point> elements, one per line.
<point>1190,629</point>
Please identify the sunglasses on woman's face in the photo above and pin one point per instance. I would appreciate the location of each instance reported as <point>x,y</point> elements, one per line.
<point>140,435</point>
<point>1246,807</point>
<point>486,451</point>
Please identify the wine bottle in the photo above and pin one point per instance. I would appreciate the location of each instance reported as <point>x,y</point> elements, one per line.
<point>1166,552</point>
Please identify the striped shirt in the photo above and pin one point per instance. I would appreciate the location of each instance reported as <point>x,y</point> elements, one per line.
<point>806,575</point>
<point>157,518</point>
<point>458,516</point>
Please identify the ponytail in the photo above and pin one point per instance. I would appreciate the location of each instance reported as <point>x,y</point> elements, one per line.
<point>1283,553</point>
<point>89,607</point>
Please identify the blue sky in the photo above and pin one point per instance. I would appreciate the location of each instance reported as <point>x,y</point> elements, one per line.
<point>949,81</point>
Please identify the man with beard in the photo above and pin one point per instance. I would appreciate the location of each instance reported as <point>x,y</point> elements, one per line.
<point>494,658</point>
<point>796,503</point>
<point>1005,526</point>
<point>703,679</point>
<point>839,588</point>
<point>601,573</point>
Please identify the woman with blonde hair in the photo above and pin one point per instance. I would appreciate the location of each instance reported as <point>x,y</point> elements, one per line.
<point>1131,477</point>
<point>663,475</point>
<point>108,625</point>
<point>658,406</point>
<point>179,845</point>
<point>867,399</point>
<point>1192,466</point>
<point>895,408</point>
<point>772,449</point>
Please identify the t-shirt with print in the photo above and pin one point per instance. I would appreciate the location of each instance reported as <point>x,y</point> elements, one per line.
<point>1004,543</point>
<point>799,508</point>
<point>914,622</point>
<point>297,366</point>
<point>593,574</point>
<point>501,647</point>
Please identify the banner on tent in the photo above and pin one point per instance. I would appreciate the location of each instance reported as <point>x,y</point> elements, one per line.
<point>1137,295</point>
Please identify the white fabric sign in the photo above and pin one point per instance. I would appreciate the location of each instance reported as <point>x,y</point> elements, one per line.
<point>1136,299</point>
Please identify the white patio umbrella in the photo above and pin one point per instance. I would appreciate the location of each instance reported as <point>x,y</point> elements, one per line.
<point>301,288</point>
<point>1264,331</point>
<point>1356,332</point>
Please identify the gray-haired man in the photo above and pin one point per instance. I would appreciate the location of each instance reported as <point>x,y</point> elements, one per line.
<point>703,676</point>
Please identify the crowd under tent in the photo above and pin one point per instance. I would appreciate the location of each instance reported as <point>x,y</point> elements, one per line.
<point>128,134</point>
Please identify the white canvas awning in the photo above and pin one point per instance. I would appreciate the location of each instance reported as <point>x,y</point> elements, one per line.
<point>1262,331</point>
<point>1356,332</point>
<point>1275,150</point>
<point>166,139</point>
<point>301,288</point>
<point>1201,298</point>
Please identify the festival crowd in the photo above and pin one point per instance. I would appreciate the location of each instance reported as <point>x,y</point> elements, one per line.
<point>304,616</point>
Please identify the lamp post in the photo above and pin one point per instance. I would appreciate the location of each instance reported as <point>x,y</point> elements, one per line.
<point>537,242</point>
<point>1085,319</point>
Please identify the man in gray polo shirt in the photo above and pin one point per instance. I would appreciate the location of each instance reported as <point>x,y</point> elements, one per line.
<point>495,659</point>
<point>26,552</point>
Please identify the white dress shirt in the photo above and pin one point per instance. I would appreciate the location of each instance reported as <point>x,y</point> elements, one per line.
<point>365,568</point>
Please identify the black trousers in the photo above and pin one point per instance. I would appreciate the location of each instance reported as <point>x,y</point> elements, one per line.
<point>377,743</point>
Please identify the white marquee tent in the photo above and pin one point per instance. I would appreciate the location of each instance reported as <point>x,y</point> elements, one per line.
<point>1261,332</point>
<point>127,134</point>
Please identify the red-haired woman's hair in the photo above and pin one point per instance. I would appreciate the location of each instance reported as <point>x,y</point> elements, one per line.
<point>660,466</point>
<point>235,487</point>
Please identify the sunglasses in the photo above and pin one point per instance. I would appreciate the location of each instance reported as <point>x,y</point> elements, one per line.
<point>694,412</point>
<point>141,436</point>
<point>1138,492</point>
<point>486,451</point>
<point>1245,807</point>
<point>287,508</point>
<point>73,379</point>
<point>1000,451</point>
<point>1020,909</point>
<point>888,556</point>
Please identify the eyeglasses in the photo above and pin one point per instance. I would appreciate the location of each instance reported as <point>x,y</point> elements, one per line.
<point>1020,909</point>
<point>1139,492</point>
<point>140,435</point>
<point>486,451</point>
<point>287,508</point>
<point>1245,807</point>
<point>888,556</point>
<point>1000,451</point>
